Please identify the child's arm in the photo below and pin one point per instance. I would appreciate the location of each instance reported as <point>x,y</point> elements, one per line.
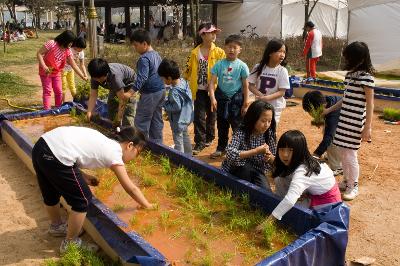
<point>253,89</point>
<point>280,93</point>
<point>211,90</point>
<point>369,98</point>
<point>91,103</point>
<point>173,103</point>
<point>121,106</point>
<point>333,107</point>
<point>129,187</point>
<point>40,53</point>
<point>82,66</point>
<point>72,63</point>
<point>245,90</point>
<point>143,70</point>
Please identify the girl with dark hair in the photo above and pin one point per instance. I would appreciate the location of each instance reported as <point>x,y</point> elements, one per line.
<point>253,147</point>
<point>57,159</point>
<point>296,171</point>
<point>269,79</point>
<point>198,73</point>
<point>52,58</point>
<point>355,119</point>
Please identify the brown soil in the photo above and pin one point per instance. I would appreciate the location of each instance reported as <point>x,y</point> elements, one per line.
<point>375,216</point>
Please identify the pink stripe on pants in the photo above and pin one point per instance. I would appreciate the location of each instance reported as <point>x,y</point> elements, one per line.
<point>49,83</point>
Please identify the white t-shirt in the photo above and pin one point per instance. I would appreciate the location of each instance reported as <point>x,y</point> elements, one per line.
<point>202,75</point>
<point>269,81</point>
<point>83,146</point>
<point>75,56</point>
<point>314,185</point>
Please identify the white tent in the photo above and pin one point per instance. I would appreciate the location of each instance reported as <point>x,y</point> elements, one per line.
<point>377,23</point>
<point>282,18</point>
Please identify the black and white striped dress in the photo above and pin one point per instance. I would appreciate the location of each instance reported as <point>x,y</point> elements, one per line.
<point>353,111</point>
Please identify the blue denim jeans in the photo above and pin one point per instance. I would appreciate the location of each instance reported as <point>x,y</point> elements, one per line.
<point>182,141</point>
<point>148,118</point>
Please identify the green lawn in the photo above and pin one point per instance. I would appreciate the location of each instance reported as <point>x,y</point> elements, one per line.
<point>12,85</point>
<point>22,53</point>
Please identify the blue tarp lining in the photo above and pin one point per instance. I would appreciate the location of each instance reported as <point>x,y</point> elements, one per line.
<point>324,234</point>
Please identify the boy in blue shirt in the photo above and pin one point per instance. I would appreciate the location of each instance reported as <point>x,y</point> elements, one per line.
<point>232,96</point>
<point>178,106</point>
<point>148,83</point>
<point>315,99</point>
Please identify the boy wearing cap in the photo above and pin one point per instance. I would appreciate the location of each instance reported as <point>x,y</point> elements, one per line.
<point>312,48</point>
<point>198,73</point>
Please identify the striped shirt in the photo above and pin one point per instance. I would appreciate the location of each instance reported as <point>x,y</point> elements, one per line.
<point>240,144</point>
<point>353,111</point>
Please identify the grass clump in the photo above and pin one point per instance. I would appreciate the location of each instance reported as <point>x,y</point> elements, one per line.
<point>83,91</point>
<point>165,165</point>
<point>118,207</point>
<point>316,113</point>
<point>391,114</point>
<point>13,85</point>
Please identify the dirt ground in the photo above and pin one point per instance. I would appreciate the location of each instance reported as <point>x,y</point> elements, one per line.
<point>375,214</point>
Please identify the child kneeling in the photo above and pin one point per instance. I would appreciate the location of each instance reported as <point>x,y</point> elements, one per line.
<point>178,106</point>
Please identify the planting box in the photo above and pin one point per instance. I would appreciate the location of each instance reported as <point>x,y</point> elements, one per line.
<point>322,237</point>
<point>383,97</point>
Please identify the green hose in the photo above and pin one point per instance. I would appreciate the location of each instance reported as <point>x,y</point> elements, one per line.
<point>18,107</point>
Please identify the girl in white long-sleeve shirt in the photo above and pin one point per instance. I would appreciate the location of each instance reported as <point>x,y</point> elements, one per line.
<point>295,166</point>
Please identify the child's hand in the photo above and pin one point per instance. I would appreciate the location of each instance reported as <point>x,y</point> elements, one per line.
<point>366,134</point>
<point>213,105</point>
<point>150,206</point>
<point>269,157</point>
<point>263,149</point>
<point>244,108</point>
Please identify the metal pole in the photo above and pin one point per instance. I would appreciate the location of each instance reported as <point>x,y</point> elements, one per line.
<point>92,16</point>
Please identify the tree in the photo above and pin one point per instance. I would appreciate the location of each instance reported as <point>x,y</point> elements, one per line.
<point>307,12</point>
<point>11,7</point>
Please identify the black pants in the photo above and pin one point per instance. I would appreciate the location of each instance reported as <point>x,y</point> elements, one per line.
<point>204,119</point>
<point>249,173</point>
<point>56,179</point>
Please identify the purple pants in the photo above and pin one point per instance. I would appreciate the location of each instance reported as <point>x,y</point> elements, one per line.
<point>49,83</point>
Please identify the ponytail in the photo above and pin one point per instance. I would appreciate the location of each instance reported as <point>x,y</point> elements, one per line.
<point>130,134</point>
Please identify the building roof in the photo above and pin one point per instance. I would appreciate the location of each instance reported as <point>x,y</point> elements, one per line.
<point>121,3</point>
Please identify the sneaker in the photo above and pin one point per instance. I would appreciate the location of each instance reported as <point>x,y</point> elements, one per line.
<point>351,192</point>
<point>77,241</point>
<point>58,230</point>
<point>338,171</point>
<point>217,154</point>
<point>343,185</point>
<point>198,148</point>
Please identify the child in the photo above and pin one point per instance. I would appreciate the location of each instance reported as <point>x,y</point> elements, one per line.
<point>178,106</point>
<point>57,157</point>
<point>198,74</point>
<point>232,94</point>
<point>314,100</point>
<point>297,171</point>
<point>270,79</point>
<point>117,78</point>
<point>68,77</point>
<point>355,120</point>
<point>148,83</point>
<point>52,58</point>
<point>251,153</point>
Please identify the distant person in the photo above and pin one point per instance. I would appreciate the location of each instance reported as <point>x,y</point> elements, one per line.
<point>178,105</point>
<point>82,31</point>
<point>357,109</point>
<point>312,48</point>
<point>148,117</point>
<point>68,76</point>
<point>296,172</point>
<point>313,100</point>
<point>52,58</point>
<point>58,157</point>
<point>117,78</point>
<point>252,150</point>
<point>198,73</point>
<point>231,98</point>
<point>269,79</point>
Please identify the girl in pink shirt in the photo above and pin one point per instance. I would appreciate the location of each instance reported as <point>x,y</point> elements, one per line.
<point>52,58</point>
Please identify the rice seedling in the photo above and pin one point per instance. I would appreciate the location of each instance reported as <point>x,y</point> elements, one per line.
<point>148,181</point>
<point>148,229</point>
<point>118,207</point>
<point>316,114</point>
<point>391,114</point>
<point>165,219</point>
<point>133,220</point>
<point>165,165</point>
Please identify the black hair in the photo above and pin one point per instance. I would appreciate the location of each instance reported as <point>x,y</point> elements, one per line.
<point>295,140</point>
<point>309,24</point>
<point>65,38</point>
<point>168,68</point>
<point>273,46</point>
<point>357,58</point>
<point>130,134</point>
<point>313,99</point>
<point>234,38</point>
<point>199,40</point>
<point>79,43</point>
<point>83,24</point>
<point>252,115</point>
<point>140,35</point>
<point>98,68</point>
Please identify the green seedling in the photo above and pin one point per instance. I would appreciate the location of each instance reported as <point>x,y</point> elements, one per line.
<point>165,165</point>
<point>316,114</point>
<point>165,219</point>
<point>149,229</point>
<point>149,181</point>
<point>72,113</point>
<point>133,220</point>
<point>391,114</point>
<point>118,207</point>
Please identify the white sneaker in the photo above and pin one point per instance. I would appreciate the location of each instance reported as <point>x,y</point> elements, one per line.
<point>351,192</point>
<point>342,185</point>
<point>58,230</point>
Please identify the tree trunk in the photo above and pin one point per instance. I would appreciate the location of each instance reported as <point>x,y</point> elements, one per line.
<point>192,23</point>
<point>11,10</point>
<point>306,17</point>
<point>197,22</point>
